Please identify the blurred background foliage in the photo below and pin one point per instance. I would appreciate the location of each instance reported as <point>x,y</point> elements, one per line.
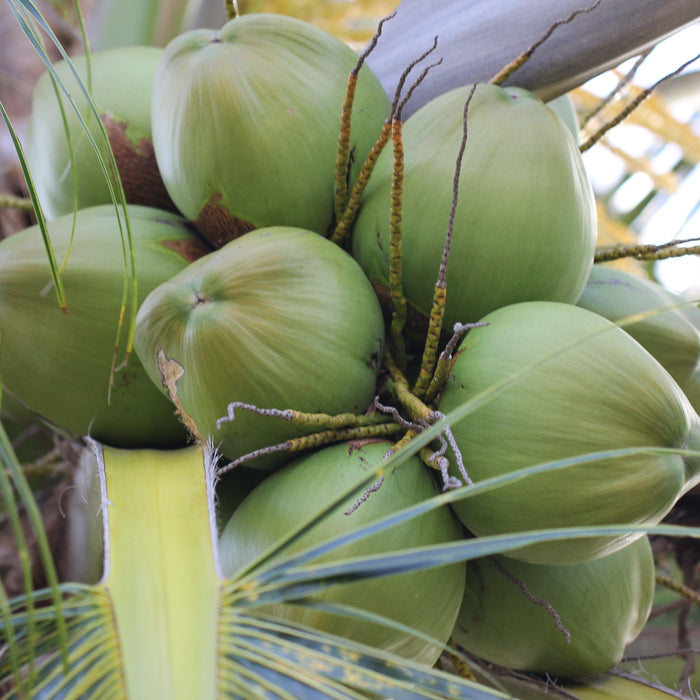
<point>646,174</point>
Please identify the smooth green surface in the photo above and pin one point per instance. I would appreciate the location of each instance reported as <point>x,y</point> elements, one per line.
<point>58,364</point>
<point>563,107</point>
<point>426,600</point>
<point>279,318</point>
<point>122,80</point>
<point>251,114</point>
<point>668,326</point>
<point>161,575</point>
<point>603,605</point>
<point>525,224</point>
<point>583,386</point>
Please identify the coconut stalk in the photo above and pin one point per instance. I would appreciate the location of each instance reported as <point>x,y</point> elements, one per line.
<point>166,617</point>
<point>477,39</point>
<point>148,628</point>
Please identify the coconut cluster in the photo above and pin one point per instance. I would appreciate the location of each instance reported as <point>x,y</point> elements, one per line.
<point>259,333</point>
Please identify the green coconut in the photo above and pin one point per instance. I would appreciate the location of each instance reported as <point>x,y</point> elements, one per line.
<point>280,318</point>
<point>563,107</point>
<point>586,386</point>
<point>58,363</point>
<point>672,335</point>
<point>691,388</point>
<point>427,600</point>
<point>232,488</point>
<point>525,225</point>
<point>601,606</point>
<point>122,82</point>
<point>246,121</point>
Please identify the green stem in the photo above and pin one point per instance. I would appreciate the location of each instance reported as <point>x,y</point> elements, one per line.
<point>161,573</point>
<point>437,311</point>
<point>674,249</point>
<point>342,163</point>
<point>398,384</point>
<point>11,201</point>
<point>398,319</point>
<point>682,590</point>
<point>322,421</point>
<point>353,204</point>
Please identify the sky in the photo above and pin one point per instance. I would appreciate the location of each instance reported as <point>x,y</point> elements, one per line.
<point>667,217</point>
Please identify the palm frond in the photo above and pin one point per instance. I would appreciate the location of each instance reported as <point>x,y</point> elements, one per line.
<point>316,660</point>
<point>72,662</point>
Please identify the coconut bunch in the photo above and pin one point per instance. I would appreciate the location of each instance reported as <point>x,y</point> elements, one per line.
<point>246,135</point>
<point>72,365</point>
<point>241,124</point>
<point>551,383</point>
<point>574,421</point>
<point>616,428</point>
<point>275,339</point>
<point>261,88</point>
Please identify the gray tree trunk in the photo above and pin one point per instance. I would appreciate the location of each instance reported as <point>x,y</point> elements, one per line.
<point>476,38</point>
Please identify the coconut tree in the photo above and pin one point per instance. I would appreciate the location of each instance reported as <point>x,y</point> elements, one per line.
<point>167,611</point>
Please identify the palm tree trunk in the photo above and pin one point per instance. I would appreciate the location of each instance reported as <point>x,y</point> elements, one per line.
<point>476,38</point>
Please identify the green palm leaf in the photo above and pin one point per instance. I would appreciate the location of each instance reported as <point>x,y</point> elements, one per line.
<point>28,16</point>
